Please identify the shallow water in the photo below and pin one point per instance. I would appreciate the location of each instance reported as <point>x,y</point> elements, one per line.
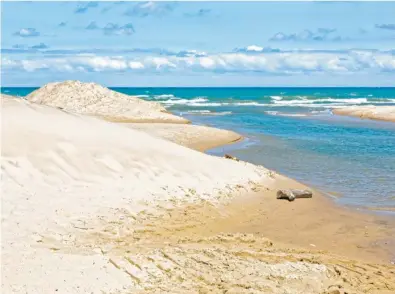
<point>293,131</point>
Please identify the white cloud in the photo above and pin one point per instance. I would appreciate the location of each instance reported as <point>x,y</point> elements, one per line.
<point>27,32</point>
<point>207,63</point>
<point>271,63</point>
<point>160,62</point>
<point>150,8</point>
<point>136,65</point>
<point>321,34</point>
<point>101,63</point>
<point>254,48</point>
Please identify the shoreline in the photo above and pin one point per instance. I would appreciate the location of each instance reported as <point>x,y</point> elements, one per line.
<point>381,113</point>
<point>322,202</point>
<point>143,211</point>
<point>317,216</point>
<point>198,137</point>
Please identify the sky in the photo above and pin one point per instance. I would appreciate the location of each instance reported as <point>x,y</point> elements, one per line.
<point>198,44</point>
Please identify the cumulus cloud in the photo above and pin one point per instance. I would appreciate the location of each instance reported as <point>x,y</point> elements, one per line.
<point>150,8</point>
<point>40,46</point>
<point>25,48</point>
<point>189,53</point>
<point>19,46</point>
<point>290,63</point>
<point>115,29</point>
<point>389,26</point>
<point>112,29</point>
<point>112,5</point>
<point>85,6</point>
<point>92,26</point>
<point>321,34</point>
<point>256,49</point>
<point>200,13</point>
<point>27,32</point>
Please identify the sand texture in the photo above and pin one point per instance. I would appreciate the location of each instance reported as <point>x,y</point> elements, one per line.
<point>193,136</point>
<point>5,96</point>
<point>386,113</point>
<point>94,99</point>
<point>89,206</point>
<point>62,173</point>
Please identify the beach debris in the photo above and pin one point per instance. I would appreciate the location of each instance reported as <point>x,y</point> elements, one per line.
<point>292,194</point>
<point>231,157</point>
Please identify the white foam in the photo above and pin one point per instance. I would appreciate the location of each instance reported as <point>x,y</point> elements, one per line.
<point>184,101</point>
<point>210,104</point>
<point>326,111</point>
<point>333,105</point>
<point>248,104</point>
<point>286,114</point>
<point>163,96</point>
<point>276,98</point>
<point>199,111</point>
<point>313,101</point>
<point>208,112</point>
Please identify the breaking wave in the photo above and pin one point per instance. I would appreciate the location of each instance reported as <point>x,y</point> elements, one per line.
<point>163,96</point>
<point>324,100</point>
<point>276,98</point>
<point>277,113</point>
<point>169,100</point>
<point>208,112</point>
<point>184,101</point>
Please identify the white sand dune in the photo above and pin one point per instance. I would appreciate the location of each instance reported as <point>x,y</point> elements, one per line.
<point>90,206</point>
<point>64,173</point>
<point>193,136</point>
<point>94,99</point>
<point>386,113</point>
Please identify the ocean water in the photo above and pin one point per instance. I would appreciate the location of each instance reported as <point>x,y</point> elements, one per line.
<point>293,131</point>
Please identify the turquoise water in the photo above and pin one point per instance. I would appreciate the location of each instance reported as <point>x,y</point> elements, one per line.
<point>293,131</point>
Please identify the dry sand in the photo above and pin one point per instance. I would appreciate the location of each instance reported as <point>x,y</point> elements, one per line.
<point>90,206</point>
<point>386,113</point>
<point>94,99</point>
<point>65,173</point>
<point>192,136</point>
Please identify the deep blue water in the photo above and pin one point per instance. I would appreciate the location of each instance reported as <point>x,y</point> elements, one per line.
<point>293,131</point>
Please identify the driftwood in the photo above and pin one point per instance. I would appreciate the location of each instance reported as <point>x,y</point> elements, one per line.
<point>292,194</point>
<point>231,157</point>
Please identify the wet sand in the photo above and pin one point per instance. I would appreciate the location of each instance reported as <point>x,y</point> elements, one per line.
<point>249,245</point>
<point>384,113</point>
<point>313,224</point>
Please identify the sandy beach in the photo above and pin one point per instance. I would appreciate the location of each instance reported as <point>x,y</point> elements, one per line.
<point>200,138</point>
<point>385,113</point>
<point>94,206</point>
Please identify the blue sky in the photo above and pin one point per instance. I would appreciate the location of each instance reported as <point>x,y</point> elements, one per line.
<point>199,43</point>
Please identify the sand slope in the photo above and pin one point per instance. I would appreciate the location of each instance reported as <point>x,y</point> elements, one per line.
<point>386,113</point>
<point>90,206</point>
<point>193,136</point>
<point>64,173</point>
<point>94,99</point>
